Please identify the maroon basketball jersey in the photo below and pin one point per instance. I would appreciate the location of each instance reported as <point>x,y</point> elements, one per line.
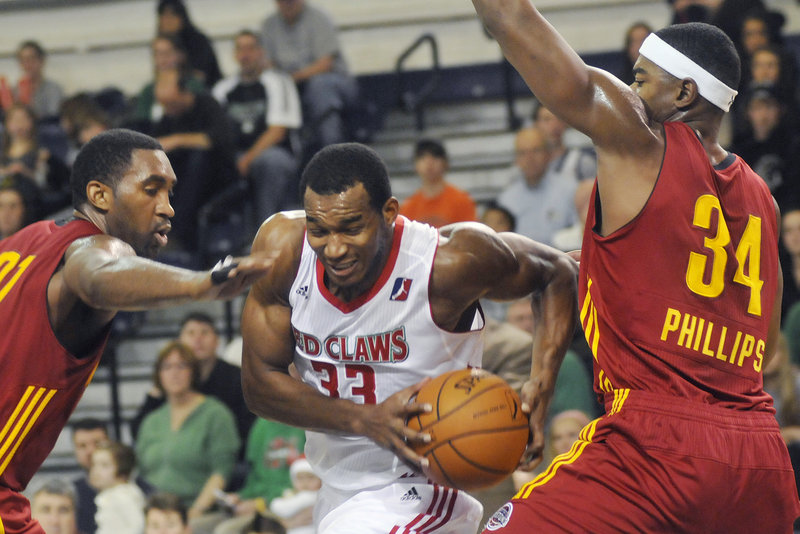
<point>678,301</point>
<point>41,381</point>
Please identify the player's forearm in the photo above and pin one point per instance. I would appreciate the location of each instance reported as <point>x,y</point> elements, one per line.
<point>278,396</point>
<point>555,318</point>
<point>134,283</point>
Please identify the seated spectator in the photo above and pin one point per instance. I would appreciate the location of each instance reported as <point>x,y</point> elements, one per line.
<point>13,211</point>
<point>264,524</point>
<point>790,261</point>
<point>573,162</point>
<point>571,238</point>
<point>81,118</point>
<point>302,40</point>
<point>87,435</point>
<point>173,20</point>
<point>33,89</point>
<point>692,10</point>
<point>771,147</point>
<point>265,109</point>
<point>120,502</point>
<point>766,68</point>
<point>782,382</point>
<point>498,218</point>
<point>218,378</point>
<point>295,508</point>
<point>188,446</point>
<point>634,36</point>
<point>23,156</point>
<point>165,513</point>
<point>169,54</point>
<point>538,196</point>
<point>271,448</point>
<point>437,202</point>
<point>198,139</point>
<point>53,506</point>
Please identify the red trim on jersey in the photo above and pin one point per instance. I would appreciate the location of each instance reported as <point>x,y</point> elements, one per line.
<point>347,307</point>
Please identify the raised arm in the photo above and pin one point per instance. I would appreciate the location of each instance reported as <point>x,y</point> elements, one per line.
<point>269,389</point>
<point>590,100</point>
<point>475,262</point>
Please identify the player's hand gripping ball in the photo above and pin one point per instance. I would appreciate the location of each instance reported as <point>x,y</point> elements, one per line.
<point>477,427</point>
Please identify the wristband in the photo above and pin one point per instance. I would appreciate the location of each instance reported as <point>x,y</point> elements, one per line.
<point>223,268</point>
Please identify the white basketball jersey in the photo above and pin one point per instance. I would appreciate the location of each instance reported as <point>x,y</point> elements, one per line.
<point>367,349</point>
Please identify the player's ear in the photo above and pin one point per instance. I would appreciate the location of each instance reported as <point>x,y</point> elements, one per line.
<point>391,209</point>
<point>99,195</point>
<point>688,93</point>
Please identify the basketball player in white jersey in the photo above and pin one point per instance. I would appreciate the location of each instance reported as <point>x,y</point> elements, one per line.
<point>365,306</point>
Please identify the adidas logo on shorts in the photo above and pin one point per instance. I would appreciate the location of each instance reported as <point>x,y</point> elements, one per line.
<point>411,495</point>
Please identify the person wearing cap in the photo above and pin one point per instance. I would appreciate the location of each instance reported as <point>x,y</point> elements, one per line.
<point>437,202</point>
<point>679,296</point>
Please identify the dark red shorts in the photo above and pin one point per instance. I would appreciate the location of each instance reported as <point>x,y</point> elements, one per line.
<point>15,514</point>
<point>660,464</point>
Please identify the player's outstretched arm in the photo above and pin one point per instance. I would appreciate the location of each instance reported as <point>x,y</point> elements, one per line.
<point>590,100</point>
<point>268,351</point>
<point>480,263</point>
<point>105,273</point>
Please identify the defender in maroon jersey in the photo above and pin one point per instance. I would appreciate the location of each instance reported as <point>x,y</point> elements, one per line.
<point>679,297</point>
<point>61,285</point>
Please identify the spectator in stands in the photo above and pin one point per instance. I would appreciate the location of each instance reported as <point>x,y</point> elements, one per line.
<point>165,513</point>
<point>81,118</point>
<point>634,36</point>
<point>498,218</point>
<point>761,28</point>
<point>265,524</point>
<point>87,435</point>
<point>771,146</point>
<point>539,198</point>
<point>692,10</point>
<point>169,54</point>
<point>218,378</point>
<point>571,238</point>
<point>295,507</point>
<point>22,155</point>
<point>574,163</point>
<point>302,40</point>
<point>271,448</point>
<point>437,202</point>
<point>33,89</point>
<point>790,262</point>
<point>766,69</point>
<point>120,502</point>
<point>53,506</point>
<point>782,382</point>
<point>187,446</point>
<point>198,139</point>
<point>265,109</point>
<point>13,210</point>
<point>173,20</point>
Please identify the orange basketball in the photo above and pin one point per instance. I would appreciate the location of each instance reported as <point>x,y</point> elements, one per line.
<point>477,427</point>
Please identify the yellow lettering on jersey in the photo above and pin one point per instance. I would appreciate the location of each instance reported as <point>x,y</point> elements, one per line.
<point>731,346</point>
<point>25,414</point>
<point>9,260</point>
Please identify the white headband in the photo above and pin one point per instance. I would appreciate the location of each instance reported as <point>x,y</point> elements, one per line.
<point>680,66</point>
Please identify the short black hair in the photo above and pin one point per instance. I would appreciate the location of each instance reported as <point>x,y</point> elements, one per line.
<point>33,45</point>
<point>106,158</point>
<point>430,146</point>
<point>199,317</point>
<point>167,502</point>
<point>708,46</point>
<point>336,168</point>
<point>493,205</point>
<point>89,423</point>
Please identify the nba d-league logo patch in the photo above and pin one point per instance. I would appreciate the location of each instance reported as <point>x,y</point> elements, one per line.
<point>401,288</point>
<point>500,517</point>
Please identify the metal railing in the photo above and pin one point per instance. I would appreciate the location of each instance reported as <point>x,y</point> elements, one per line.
<point>411,100</point>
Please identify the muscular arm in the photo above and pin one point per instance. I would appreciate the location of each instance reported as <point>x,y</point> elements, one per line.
<point>475,262</point>
<point>268,352</point>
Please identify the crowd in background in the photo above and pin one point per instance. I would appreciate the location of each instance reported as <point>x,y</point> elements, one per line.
<point>199,456</point>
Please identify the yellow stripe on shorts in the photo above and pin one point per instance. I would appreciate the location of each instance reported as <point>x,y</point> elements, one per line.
<point>584,439</point>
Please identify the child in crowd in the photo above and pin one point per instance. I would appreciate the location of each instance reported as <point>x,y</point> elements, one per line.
<point>120,502</point>
<point>296,506</point>
<point>165,513</point>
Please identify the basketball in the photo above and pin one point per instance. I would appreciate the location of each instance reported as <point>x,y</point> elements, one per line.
<point>477,427</point>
